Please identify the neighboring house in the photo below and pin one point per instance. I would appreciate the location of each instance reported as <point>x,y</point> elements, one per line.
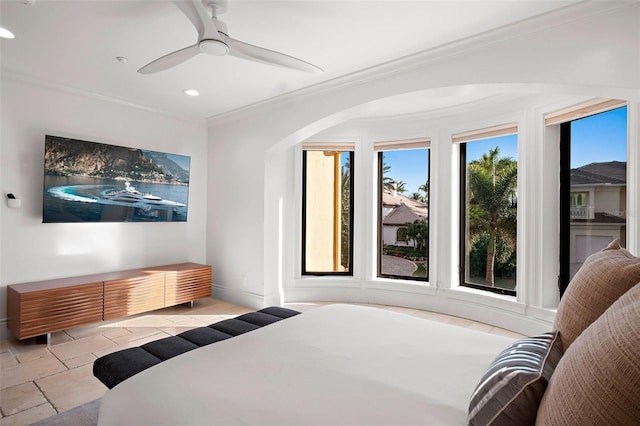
<point>399,211</point>
<point>598,208</point>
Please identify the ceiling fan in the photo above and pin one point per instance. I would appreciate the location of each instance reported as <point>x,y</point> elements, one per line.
<point>214,40</point>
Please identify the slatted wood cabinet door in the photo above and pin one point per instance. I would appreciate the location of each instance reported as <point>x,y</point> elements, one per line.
<point>186,282</point>
<point>48,309</point>
<point>133,295</point>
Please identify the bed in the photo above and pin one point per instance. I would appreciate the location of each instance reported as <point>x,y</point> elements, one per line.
<point>337,364</point>
<point>357,365</point>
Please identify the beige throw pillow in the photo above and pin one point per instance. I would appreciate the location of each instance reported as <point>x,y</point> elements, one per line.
<point>597,381</point>
<point>602,279</point>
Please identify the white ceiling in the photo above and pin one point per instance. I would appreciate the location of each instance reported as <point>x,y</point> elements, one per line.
<point>75,43</point>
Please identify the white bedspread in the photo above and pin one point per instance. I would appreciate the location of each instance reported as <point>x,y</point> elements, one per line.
<point>334,365</point>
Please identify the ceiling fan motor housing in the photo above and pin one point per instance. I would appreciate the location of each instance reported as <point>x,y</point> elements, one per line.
<point>214,47</point>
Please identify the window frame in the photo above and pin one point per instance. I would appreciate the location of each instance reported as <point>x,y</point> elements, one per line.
<point>380,190</point>
<point>565,118</point>
<point>463,225</point>
<point>303,259</point>
<point>401,234</point>
<point>564,242</point>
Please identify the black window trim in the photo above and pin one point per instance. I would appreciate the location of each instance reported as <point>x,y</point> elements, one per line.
<point>379,245</point>
<point>564,270</point>
<point>463,230</point>
<point>565,207</point>
<point>304,271</point>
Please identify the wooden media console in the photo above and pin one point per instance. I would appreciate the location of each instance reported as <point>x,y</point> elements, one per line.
<point>43,307</point>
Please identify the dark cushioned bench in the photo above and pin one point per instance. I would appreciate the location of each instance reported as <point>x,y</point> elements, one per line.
<point>118,366</point>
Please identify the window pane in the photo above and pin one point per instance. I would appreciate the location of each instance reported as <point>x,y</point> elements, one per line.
<point>403,214</point>
<point>490,213</point>
<point>327,212</point>
<point>598,161</point>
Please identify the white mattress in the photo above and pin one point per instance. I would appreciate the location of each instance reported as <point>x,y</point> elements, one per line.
<point>334,365</point>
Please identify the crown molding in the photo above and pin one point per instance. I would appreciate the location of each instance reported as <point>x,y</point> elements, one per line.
<point>29,80</point>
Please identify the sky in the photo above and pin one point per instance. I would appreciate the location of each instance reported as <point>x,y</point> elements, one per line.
<point>508,146</point>
<point>410,166</point>
<point>598,138</point>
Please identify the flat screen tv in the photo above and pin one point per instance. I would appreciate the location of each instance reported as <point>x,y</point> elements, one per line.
<point>95,182</point>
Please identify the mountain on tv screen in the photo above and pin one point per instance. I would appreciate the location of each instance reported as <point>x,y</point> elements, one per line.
<point>95,182</point>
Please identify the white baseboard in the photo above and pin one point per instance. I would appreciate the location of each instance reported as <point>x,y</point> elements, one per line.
<point>517,320</point>
<point>238,297</point>
<point>499,313</point>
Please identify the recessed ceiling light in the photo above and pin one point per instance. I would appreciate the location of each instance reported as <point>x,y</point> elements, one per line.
<point>191,92</point>
<point>5,33</point>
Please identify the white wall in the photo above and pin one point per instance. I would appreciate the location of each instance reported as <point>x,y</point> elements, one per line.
<point>591,50</point>
<point>32,250</point>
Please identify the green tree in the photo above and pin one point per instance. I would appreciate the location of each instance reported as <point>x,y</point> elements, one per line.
<point>389,183</point>
<point>492,184</point>
<point>418,232</point>
<point>401,186</point>
<point>418,196</point>
<point>345,226</point>
<point>425,189</point>
<point>422,194</point>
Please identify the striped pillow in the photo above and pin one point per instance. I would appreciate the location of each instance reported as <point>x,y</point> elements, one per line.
<point>510,391</point>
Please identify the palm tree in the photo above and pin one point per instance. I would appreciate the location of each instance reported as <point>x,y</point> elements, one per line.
<point>423,190</point>
<point>389,183</point>
<point>492,184</point>
<point>417,196</point>
<point>401,186</point>
<point>424,187</point>
<point>345,228</point>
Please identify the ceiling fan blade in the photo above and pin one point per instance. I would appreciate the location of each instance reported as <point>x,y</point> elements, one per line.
<point>197,14</point>
<point>171,60</point>
<point>243,50</point>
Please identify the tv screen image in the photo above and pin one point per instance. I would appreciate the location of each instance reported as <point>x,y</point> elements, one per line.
<point>94,182</point>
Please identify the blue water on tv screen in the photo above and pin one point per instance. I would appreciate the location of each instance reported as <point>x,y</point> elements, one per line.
<point>95,182</point>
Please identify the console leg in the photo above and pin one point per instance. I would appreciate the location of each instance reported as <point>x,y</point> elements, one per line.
<point>44,338</point>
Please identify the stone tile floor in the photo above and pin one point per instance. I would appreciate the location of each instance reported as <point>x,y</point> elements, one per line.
<point>38,381</point>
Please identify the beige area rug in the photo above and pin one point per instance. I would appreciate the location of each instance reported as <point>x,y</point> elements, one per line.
<point>84,415</point>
